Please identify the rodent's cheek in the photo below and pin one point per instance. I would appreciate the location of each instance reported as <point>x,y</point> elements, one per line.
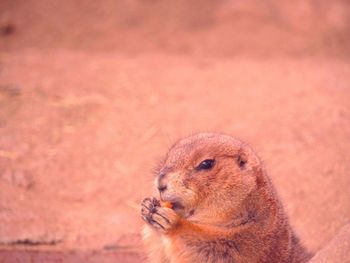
<point>179,191</point>
<point>175,188</point>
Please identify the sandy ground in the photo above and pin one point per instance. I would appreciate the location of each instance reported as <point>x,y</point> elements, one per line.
<point>91,96</point>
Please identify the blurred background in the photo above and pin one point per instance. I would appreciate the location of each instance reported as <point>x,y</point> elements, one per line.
<point>92,94</point>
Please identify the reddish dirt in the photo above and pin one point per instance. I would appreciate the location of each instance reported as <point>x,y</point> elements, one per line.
<point>93,93</point>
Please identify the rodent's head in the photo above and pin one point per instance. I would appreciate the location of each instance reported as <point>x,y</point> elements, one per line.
<point>207,174</point>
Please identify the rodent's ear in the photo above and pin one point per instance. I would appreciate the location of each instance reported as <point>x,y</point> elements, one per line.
<point>241,160</point>
<point>246,158</point>
<point>249,161</point>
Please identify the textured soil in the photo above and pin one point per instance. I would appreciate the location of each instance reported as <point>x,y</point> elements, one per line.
<point>92,93</point>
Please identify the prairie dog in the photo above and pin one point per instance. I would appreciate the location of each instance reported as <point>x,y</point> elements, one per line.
<point>216,204</point>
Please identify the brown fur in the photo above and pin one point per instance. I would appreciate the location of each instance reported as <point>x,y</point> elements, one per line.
<point>229,213</point>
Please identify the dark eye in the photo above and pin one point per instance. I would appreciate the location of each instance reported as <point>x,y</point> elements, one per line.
<point>206,165</point>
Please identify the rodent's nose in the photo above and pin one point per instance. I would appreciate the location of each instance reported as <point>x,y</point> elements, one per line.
<point>162,188</point>
<point>161,185</point>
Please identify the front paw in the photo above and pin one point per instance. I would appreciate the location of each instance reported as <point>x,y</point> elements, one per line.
<point>161,218</point>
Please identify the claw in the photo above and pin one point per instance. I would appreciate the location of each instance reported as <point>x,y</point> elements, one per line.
<point>166,219</point>
<point>155,202</point>
<point>150,211</point>
<point>144,206</point>
<point>155,222</point>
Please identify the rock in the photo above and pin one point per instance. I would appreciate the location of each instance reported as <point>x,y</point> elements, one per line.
<point>10,90</point>
<point>18,178</point>
<point>8,29</point>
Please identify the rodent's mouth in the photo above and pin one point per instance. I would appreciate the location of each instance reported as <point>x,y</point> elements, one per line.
<point>176,204</point>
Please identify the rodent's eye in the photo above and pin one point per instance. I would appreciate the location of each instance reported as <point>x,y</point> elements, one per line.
<point>206,165</point>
